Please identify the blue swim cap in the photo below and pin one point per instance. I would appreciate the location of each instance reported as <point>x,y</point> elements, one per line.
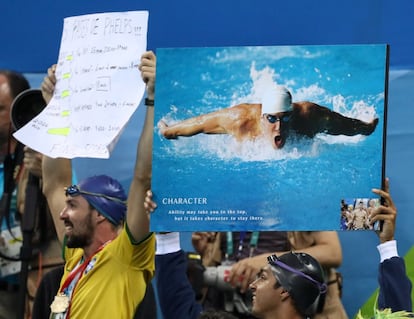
<point>106,195</point>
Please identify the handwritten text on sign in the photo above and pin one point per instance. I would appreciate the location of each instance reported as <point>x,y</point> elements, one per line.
<point>98,86</point>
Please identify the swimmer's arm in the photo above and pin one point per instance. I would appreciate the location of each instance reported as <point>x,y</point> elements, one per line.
<point>210,123</point>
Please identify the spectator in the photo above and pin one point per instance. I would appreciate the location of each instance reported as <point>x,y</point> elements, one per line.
<point>108,249</point>
<point>14,171</point>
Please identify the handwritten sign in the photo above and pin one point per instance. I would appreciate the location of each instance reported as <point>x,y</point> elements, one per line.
<point>98,86</point>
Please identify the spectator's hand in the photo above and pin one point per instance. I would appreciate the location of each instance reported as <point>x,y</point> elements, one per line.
<point>244,272</point>
<point>200,241</point>
<point>149,204</point>
<point>147,68</point>
<point>386,213</point>
<point>48,84</point>
<point>33,161</point>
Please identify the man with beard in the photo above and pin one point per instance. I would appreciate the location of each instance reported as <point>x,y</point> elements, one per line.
<point>108,249</point>
<point>273,119</point>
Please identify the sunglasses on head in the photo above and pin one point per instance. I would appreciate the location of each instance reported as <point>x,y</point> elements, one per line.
<point>274,261</point>
<point>74,190</point>
<point>274,118</point>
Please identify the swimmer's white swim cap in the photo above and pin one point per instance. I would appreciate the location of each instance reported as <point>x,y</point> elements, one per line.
<point>277,100</point>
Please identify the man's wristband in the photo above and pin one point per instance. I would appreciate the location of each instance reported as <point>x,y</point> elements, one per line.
<point>149,102</point>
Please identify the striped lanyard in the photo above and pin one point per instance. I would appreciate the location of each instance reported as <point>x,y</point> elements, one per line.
<point>76,274</point>
<point>253,244</point>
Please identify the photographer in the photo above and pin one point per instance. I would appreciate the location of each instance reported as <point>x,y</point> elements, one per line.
<point>15,170</point>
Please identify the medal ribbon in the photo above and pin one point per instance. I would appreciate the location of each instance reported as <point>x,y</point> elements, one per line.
<point>77,273</point>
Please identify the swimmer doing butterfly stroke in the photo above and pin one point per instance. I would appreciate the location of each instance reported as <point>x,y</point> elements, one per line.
<point>274,119</point>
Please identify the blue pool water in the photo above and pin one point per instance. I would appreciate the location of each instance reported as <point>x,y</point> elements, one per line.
<point>249,185</point>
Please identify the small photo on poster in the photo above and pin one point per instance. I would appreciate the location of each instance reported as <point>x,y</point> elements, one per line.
<point>356,213</point>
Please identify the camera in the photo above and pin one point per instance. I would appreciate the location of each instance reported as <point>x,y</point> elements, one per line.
<point>201,276</point>
<point>27,105</point>
<point>216,278</point>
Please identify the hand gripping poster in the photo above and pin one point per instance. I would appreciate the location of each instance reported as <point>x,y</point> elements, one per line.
<point>268,137</point>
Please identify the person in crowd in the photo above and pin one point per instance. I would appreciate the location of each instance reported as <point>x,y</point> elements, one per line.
<point>345,219</point>
<point>46,292</point>
<point>11,84</point>
<point>246,257</point>
<point>359,217</point>
<point>107,245</point>
<point>15,168</point>
<point>232,249</point>
<point>274,119</point>
<point>290,286</point>
<point>46,249</point>
<point>372,203</point>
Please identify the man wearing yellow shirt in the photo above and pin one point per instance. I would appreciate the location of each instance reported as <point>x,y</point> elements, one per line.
<point>108,249</point>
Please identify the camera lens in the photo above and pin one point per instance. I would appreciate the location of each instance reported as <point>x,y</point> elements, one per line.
<point>26,106</point>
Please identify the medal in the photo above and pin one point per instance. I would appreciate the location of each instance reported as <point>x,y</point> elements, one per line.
<point>60,304</point>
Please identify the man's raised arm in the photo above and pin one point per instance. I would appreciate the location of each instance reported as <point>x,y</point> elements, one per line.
<point>56,173</point>
<point>137,218</point>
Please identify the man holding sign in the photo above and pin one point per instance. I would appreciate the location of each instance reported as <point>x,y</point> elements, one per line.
<point>108,249</point>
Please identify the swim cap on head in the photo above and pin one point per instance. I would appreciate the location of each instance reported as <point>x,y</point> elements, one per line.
<point>303,277</point>
<point>276,100</point>
<point>113,207</point>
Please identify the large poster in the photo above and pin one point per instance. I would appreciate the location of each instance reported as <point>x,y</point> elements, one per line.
<point>267,138</point>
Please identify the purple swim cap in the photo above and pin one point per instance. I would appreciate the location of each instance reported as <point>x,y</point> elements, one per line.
<point>105,194</point>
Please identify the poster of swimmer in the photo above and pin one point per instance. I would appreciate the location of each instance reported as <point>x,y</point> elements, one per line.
<point>266,137</point>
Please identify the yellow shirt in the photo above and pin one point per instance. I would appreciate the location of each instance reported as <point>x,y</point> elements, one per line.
<point>114,282</point>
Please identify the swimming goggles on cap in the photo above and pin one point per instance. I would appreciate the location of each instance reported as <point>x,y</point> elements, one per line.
<point>74,190</point>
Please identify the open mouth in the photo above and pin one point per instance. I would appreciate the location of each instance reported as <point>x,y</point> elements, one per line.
<point>68,227</point>
<point>278,141</point>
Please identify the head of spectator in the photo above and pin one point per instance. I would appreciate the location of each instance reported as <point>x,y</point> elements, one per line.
<point>290,286</point>
<point>99,193</point>
<point>11,84</point>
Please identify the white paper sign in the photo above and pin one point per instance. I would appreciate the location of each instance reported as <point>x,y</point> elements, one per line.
<point>98,86</point>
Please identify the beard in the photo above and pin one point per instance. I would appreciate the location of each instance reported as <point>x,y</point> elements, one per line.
<point>83,237</point>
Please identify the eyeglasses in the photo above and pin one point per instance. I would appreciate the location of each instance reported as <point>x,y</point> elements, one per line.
<point>273,118</point>
<point>74,190</point>
<point>273,260</point>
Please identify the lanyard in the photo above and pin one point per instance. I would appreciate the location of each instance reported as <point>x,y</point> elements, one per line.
<point>253,243</point>
<point>76,274</point>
